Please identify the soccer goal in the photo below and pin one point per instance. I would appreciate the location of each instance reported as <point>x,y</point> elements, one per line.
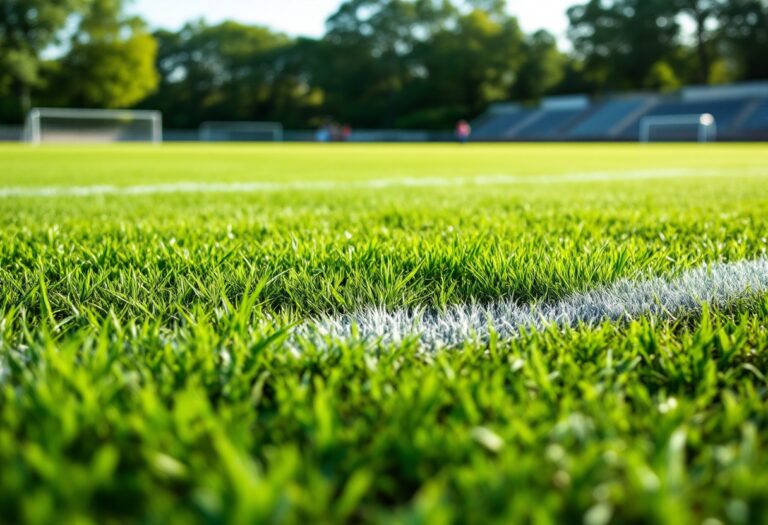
<point>62,125</point>
<point>701,128</point>
<point>244,131</point>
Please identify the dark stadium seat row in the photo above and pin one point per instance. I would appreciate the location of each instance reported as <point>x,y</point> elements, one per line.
<point>608,117</point>
<point>758,120</point>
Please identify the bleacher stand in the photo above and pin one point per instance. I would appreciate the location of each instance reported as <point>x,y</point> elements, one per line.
<point>552,119</point>
<point>499,120</point>
<point>740,111</point>
<point>758,120</point>
<point>609,117</point>
<point>549,124</point>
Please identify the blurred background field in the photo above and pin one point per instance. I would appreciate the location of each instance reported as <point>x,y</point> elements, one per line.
<point>137,164</point>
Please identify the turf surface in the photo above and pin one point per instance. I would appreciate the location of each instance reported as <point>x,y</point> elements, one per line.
<point>146,375</point>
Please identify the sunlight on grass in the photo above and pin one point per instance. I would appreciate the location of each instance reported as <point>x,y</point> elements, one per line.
<point>145,373</point>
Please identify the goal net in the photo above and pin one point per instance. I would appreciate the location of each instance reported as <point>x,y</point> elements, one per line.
<point>679,128</point>
<point>59,125</point>
<point>241,131</point>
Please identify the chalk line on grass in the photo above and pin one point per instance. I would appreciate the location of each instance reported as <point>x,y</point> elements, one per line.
<point>717,284</point>
<point>395,182</point>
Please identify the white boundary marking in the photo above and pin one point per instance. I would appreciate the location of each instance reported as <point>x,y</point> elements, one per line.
<point>407,182</point>
<point>718,284</point>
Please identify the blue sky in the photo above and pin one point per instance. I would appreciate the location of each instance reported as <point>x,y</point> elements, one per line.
<point>307,17</point>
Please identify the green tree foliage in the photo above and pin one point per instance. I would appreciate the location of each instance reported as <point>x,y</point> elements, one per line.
<point>744,27</point>
<point>426,63</point>
<point>482,59</point>
<point>27,28</point>
<point>469,62</point>
<point>371,61</point>
<point>230,71</point>
<point>542,69</point>
<point>622,41</point>
<point>113,58</point>
<point>630,44</point>
<point>702,13</point>
<point>662,77</point>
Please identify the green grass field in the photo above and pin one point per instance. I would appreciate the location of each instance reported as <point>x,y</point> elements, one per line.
<point>149,372</point>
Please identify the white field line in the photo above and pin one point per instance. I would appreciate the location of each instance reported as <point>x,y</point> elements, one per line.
<point>717,285</point>
<point>407,182</point>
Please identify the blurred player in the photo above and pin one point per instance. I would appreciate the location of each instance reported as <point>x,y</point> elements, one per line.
<point>463,131</point>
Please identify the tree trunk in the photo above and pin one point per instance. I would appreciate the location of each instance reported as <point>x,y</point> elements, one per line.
<point>705,64</point>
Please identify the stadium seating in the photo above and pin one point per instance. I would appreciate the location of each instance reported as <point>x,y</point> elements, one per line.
<point>497,125</point>
<point>758,120</point>
<point>740,111</point>
<point>604,120</point>
<point>547,124</point>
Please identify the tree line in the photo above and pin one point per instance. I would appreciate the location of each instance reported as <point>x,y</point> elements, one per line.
<point>381,63</point>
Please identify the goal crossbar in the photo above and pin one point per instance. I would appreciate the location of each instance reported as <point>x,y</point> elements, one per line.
<point>705,123</point>
<point>33,132</point>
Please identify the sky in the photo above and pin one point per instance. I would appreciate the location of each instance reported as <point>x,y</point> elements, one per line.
<point>307,17</point>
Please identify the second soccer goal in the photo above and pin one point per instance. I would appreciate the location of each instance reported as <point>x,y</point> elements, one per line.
<point>682,128</point>
<point>244,131</point>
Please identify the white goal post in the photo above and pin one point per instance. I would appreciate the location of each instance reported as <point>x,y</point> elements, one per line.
<point>240,131</point>
<point>705,125</point>
<point>69,125</point>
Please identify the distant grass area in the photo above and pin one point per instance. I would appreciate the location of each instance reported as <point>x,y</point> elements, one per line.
<point>145,377</point>
<point>128,164</point>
